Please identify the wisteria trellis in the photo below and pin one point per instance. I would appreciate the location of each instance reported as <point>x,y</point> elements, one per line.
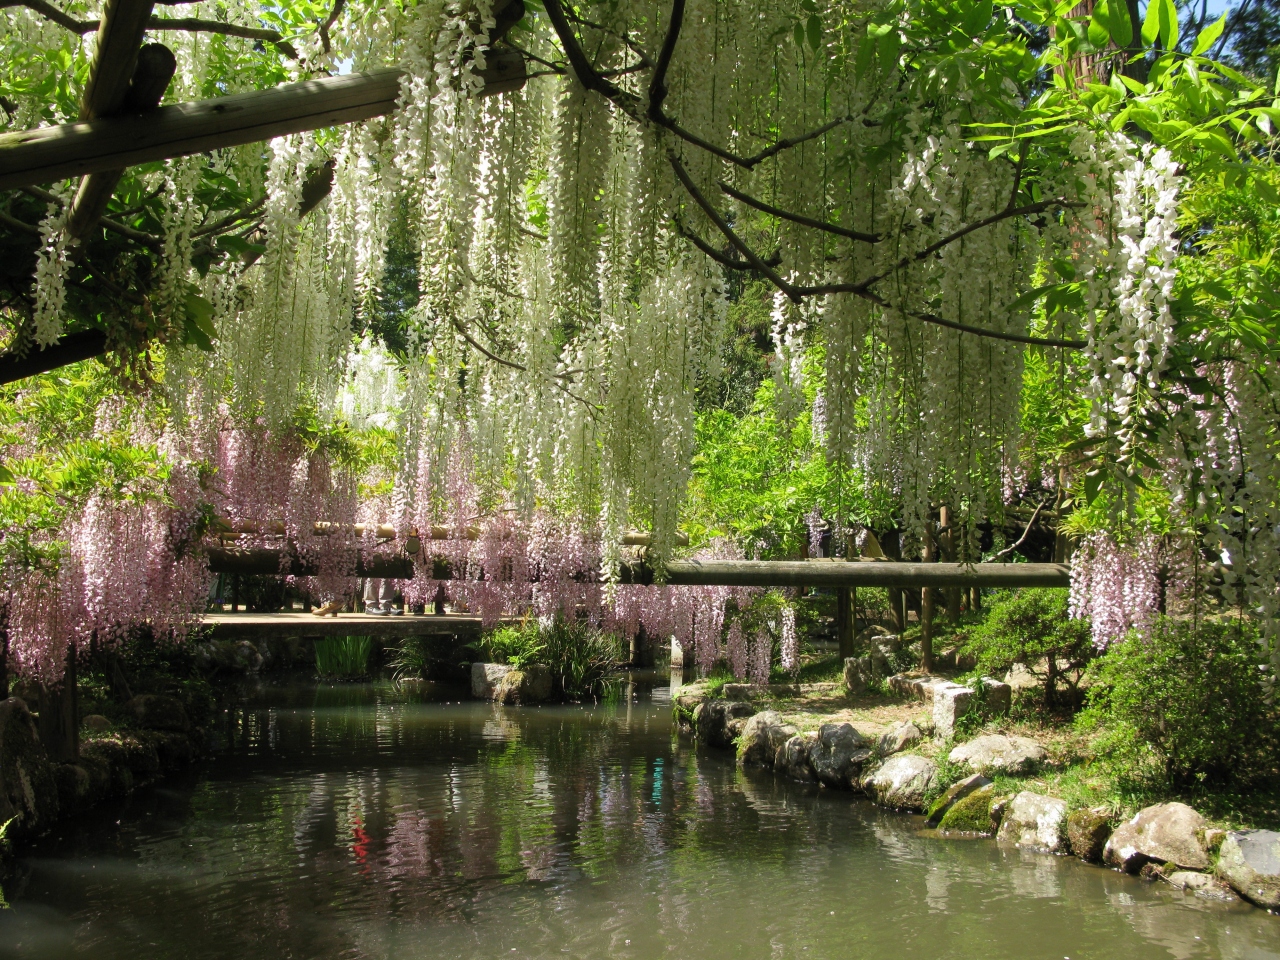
<point>575,240</point>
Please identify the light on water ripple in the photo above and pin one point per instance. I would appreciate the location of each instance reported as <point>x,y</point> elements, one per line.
<point>354,822</point>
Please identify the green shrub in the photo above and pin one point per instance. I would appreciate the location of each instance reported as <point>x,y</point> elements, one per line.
<point>1186,705</point>
<point>343,658</point>
<point>1033,628</point>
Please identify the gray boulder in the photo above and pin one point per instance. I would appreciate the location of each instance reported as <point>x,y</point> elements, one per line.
<point>1032,820</point>
<point>838,755</point>
<point>953,795</point>
<point>1249,861</point>
<point>1087,833</point>
<point>1165,833</point>
<point>95,723</point>
<point>761,737</point>
<point>901,782</point>
<point>1202,885</point>
<point>530,684</point>
<point>951,701</point>
<point>711,720</point>
<point>997,697</point>
<point>996,752</point>
<point>154,711</point>
<point>28,790</point>
<point>792,758</point>
<point>899,737</point>
<point>485,678</point>
<point>855,680</point>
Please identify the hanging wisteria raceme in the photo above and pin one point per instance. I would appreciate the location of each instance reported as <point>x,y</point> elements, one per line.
<point>127,566</point>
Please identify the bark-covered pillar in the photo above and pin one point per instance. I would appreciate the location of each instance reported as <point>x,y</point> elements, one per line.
<point>844,621</point>
<point>60,717</point>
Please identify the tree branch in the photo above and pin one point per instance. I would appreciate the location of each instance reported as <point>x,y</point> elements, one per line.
<point>789,142</point>
<point>714,216</point>
<point>658,82</point>
<point>183,24</point>
<point>587,75</point>
<point>1005,214</point>
<point>1022,539</point>
<point>773,260</point>
<point>334,14</point>
<point>799,218</point>
<point>941,321</point>
<point>148,240</point>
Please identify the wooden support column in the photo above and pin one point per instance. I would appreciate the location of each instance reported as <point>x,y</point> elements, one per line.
<point>59,722</point>
<point>115,62</point>
<point>155,67</point>
<point>844,621</point>
<point>947,543</point>
<point>926,612</point>
<point>897,598</point>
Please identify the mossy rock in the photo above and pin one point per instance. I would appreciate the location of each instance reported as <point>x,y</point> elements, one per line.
<point>971,814</point>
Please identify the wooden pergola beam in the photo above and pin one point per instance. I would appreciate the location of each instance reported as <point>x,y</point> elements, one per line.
<point>719,573</point>
<point>50,154</point>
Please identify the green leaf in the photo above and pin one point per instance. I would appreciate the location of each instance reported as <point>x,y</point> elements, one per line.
<point>1098,32</point>
<point>1151,22</point>
<point>866,50</point>
<point>1031,296</point>
<point>1119,24</point>
<point>889,46</point>
<point>975,22</point>
<point>1208,36</point>
<point>240,246</point>
<point>1168,24</point>
<point>6,476</point>
<point>797,33</point>
<point>199,329</point>
<point>814,30</point>
<point>1092,484</point>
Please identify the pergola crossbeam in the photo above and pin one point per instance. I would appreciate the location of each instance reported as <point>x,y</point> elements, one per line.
<point>721,573</point>
<point>50,154</point>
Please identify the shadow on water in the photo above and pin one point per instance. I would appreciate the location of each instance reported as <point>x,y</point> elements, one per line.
<point>358,820</point>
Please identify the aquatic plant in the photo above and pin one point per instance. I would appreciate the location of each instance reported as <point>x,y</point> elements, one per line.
<point>343,658</point>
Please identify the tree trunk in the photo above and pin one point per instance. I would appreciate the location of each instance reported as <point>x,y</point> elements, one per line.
<point>59,716</point>
<point>892,548</point>
<point>948,544</point>
<point>844,621</point>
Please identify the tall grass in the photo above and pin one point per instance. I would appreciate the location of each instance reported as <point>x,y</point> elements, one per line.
<point>343,658</point>
<point>582,657</point>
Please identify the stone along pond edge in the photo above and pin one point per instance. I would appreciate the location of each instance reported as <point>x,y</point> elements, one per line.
<point>1166,842</point>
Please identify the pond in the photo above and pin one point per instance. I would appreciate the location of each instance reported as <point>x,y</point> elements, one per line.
<point>359,822</point>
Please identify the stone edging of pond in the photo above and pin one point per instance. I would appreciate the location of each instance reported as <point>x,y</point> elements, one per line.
<point>1168,842</point>
<point>36,792</point>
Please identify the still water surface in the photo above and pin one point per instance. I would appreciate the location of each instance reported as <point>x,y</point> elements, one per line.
<point>356,822</point>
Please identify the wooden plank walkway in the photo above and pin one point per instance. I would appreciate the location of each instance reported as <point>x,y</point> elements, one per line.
<point>248,626</point>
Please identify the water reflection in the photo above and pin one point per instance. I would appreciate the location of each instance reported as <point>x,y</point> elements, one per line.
<point>357,821</point>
